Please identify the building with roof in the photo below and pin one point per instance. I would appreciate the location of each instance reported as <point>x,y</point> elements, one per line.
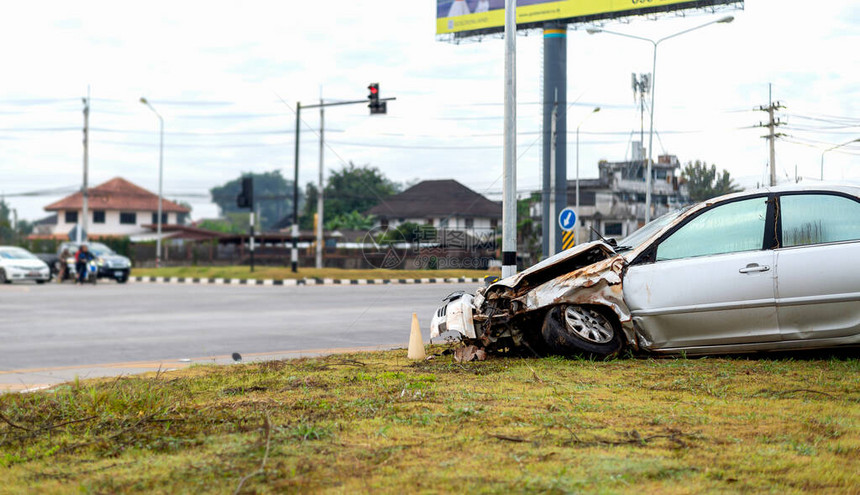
<point>115,208</point>
<point>614,203</point>
<point>444,204</point>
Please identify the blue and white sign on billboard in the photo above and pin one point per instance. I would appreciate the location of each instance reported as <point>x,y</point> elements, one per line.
<point>567,219</point>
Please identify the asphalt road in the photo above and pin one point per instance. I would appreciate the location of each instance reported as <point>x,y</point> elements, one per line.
<point>56,325</point>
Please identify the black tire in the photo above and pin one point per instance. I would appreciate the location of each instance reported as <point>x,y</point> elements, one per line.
<point>122,279</point>
<point>40,282</point>
<point>571,330</point>
<point>3,279</point>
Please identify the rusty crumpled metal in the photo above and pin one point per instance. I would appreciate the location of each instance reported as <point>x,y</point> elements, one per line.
<point>469,353</point>
<point>599,283</point>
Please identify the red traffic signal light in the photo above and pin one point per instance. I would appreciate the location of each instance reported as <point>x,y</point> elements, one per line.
<point>375,105</point>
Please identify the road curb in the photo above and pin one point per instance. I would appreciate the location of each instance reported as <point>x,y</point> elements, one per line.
<point>302,281</point>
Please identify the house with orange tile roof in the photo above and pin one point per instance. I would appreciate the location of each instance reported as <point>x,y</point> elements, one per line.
<point>116,208</point>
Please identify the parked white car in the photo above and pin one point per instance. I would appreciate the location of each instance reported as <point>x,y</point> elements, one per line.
<point>764,270</point>
<point>19,264</point>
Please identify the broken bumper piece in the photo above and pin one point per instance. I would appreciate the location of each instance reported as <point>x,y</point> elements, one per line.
<point>454,316</point>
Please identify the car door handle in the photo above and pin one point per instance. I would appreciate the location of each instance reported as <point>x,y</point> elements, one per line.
<point>754,267</point>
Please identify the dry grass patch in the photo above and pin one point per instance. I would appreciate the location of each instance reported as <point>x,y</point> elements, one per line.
<point>378,422</point>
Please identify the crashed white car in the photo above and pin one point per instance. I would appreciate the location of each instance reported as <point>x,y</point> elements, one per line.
<point>772,269</point>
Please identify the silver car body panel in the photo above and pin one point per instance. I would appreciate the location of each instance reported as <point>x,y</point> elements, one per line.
<point>704,300</point>
<point>819,299</point>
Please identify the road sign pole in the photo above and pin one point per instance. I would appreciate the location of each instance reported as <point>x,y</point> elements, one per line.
<point>251,239</point>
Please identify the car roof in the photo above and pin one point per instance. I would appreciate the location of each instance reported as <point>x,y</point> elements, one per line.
<point>850,189</point>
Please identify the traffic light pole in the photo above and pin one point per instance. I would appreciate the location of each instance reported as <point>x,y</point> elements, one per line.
<point>294,254</point>
<point>246,200</point>
<point>251,239</point>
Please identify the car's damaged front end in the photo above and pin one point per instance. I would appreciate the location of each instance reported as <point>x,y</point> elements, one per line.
<point>581,287</point>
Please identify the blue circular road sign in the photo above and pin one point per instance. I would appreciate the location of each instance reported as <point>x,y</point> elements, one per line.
<point>567,219</point>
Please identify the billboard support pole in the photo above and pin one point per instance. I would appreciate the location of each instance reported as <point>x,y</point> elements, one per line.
<point>554,142</point>
<point>509,201</point>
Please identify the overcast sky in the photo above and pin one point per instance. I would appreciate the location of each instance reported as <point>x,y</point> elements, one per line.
<point>226,77</point>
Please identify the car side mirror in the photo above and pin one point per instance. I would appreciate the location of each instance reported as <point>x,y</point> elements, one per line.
<point>612,242</point>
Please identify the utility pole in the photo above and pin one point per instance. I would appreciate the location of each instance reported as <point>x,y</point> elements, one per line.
<point>509,197</point>
<point>641,87</point>
<point>82,222</point>
<point>772,124</point>
<point>320,200</point>
<point>294,253</point>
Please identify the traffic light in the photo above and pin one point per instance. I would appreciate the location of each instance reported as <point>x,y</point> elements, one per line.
<point>245,199</point>
<point>375,105</point>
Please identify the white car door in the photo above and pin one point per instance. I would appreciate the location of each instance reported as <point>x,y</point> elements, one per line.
<point>818,266</point>
<point>711,281</point>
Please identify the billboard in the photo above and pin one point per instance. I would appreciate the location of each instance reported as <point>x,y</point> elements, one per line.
<point>475,17</point>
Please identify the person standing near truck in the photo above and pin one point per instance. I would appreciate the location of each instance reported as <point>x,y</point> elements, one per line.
<point>82,258</point>
<point>63,268</point>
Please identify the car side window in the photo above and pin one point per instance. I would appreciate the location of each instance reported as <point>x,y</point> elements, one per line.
<point>729,228</point>
<point>818,218</point>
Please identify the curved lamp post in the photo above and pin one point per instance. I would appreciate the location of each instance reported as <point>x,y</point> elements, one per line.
<point>654,43</point>
<point>833,148</point>
<point>160,170</point>
<point>596,109</point>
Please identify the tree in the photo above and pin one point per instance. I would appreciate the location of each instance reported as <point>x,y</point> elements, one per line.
<point>528,230</point>
<point>7,231</point>
<point>349,190</point>
<point>306,218</point>
<point>350,221</point>
<point>704,182</point>
<point>273,197</point>
<point>11,233</point>
<point>410,232</point>
<point>225,226</point>
<point>182,218</point>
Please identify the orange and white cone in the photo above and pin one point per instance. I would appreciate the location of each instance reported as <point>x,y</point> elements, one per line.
<point>416,342</point>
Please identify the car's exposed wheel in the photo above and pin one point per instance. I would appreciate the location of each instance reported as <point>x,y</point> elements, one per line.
<point>3,279</point>
<point>581,330</point>
<point>123,279</point>
<point>40,282</point>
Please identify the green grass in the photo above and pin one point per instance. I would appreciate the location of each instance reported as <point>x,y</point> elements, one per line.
<point>376,422</point>
<point>278,272</point>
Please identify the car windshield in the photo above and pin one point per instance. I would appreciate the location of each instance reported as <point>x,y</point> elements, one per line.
<point>16,254</point>
<point>636,238</point>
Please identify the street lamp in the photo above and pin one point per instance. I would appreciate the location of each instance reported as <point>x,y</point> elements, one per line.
<point>160,170</point>
<point>576,230</point>
<point>723,20</point>
<point>833,148</point>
